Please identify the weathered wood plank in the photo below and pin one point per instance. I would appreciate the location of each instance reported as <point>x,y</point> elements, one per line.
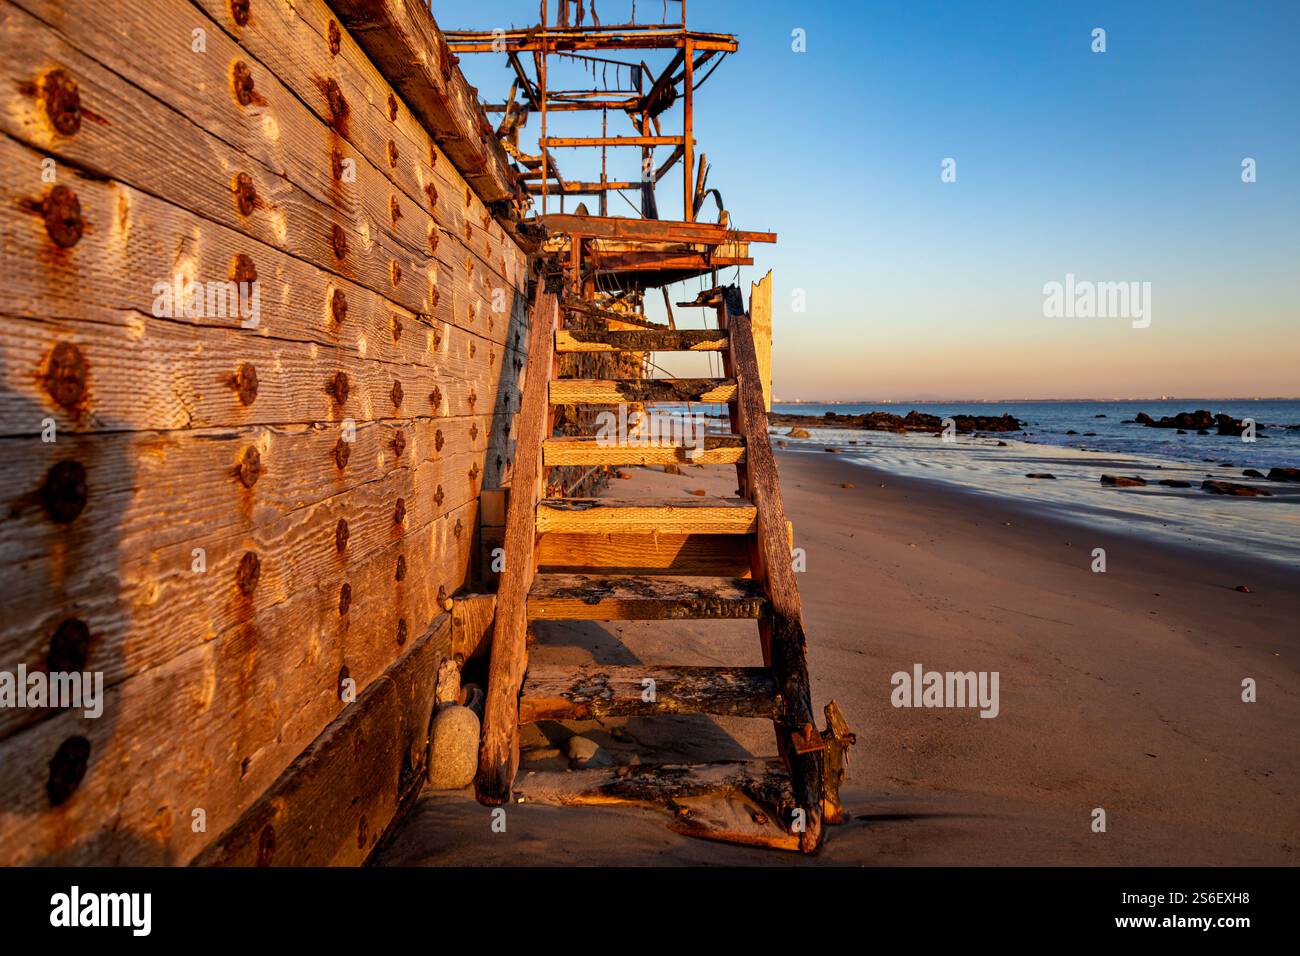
<point>568,597</point>
<point>598,691</point>
<point>472,618</point>
<point>121,384</point>
<point>646,515</point>
<point>641,340</point>
<point>575,391</point>
<point>765,781</point>
<point>261,692</point>
<point>584,450</point>
<point>333,804</point>
<point>647,553</point>
<point>499,753</point>
<point>132,233</point>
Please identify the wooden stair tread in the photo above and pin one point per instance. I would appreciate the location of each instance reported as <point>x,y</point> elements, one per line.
<point>590,450</point>
<point>600,690</point>
<point>592,597</point>
<point>580,391</point>
<point>641,340</point>
<point>646,515</point>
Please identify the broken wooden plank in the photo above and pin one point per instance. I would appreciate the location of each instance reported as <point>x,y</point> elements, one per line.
<point>586,450</point>
<point>575,391</point>
<point>648,230</point>
<point>641,340</point>
<point>570,597</point>
<point>646,515</point>
<point>597,691</point>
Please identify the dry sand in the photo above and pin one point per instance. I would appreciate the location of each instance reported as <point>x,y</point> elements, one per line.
<point>1119,690</point>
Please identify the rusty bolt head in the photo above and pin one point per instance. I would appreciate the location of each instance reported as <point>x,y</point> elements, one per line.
<point>345,598</point>
<point>336,163</point>
<point>69,647</point>
<point>338,103</point>
<point>473,431</point>
<point>396,273</point>
<point>431,191</point>
<point>458,528</point>
<point>342,450</point>
<point>473,397</point>
<point>335,37</point>
<point>438,440</point>
<point>62,102</point>
<point>243,270</point>
<point>397,328</point>
<point>473,347</point>
<point>473,472</point>
<point>401,631</point>
<point>65,375</point>
<point>338,387</point>
<point>394,209</point>
<point>399,512</point>
<point>435,399</point>
<point>399,444</point>
<point>67,768</point>
<point>442,597</point>
<point>438,496</point>
<point>401,567</point>
<point>397,393</point>
<point>64,492</point>
<point>245,193</point>
<point>244,382</point>
<point>392,154</point>
<point>341,535</point>
<point>250,569</point>
<point>241,79</point>
<point>338,306</point>
<point>266,840</point>
<point>62,212</point>
<point>434,296</point>
<point>344,674</point>
<point>392,108</point>
<point>239,10</point>
<point>339,240</point>
<point>433,247</point>
<point>249,468</point>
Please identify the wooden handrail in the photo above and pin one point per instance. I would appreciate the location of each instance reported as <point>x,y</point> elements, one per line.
<point>499,749</point>
<point>784,645</point>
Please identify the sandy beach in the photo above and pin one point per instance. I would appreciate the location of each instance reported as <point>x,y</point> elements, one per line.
<point>1119,690</point>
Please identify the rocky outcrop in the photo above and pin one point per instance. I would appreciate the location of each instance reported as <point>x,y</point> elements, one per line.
<point>913,421</point>
<point>1199,421</point>
<point>1123,481</point>
<point>1284,474</point>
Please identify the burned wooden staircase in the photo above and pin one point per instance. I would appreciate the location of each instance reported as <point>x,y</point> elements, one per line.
<point>609,559</point>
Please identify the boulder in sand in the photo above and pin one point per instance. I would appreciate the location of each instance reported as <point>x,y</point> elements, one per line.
<point>1284,474</point>
<point>1123,481</point>
<point>1232,488</point>
<point>453,748</point>
<point>798,433</point>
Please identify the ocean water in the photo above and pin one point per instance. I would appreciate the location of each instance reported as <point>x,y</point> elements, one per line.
<point>1267,528</point>
<point>1050,422</point>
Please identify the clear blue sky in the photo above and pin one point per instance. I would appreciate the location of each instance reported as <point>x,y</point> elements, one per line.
<point>1115,166</point>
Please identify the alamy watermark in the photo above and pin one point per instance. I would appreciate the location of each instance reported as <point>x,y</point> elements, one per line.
<point>922,688</point>
<point>634,429</point>
<point>1084,299</point>
<point>220,299</point>
<point>61,689</point>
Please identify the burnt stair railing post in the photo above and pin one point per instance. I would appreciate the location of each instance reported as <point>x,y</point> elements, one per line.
<point>499,749</point>
<point>781,629</point>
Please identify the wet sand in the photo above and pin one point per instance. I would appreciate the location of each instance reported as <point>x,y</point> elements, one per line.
<point>1119,691</point>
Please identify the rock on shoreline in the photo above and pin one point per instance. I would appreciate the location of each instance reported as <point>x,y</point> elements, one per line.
<point>1200,421</point>
<point>913,421</point>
